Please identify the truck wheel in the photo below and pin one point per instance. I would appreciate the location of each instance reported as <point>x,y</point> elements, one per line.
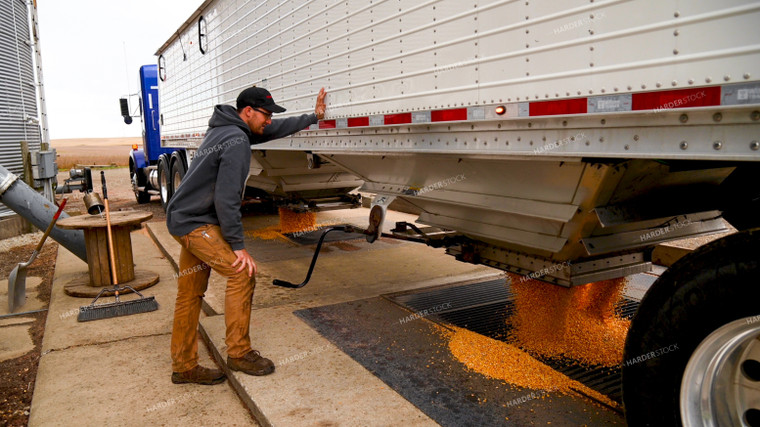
<point>141,196</point>
<point>706,302</point>
<point>164,181</point>
<point>178,173</point>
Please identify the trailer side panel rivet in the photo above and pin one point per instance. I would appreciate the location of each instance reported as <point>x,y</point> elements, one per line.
<point>684,145</point>
<point>755,115</point>
<point>754,145</point>
<point>717,117</point>
<point>683,118</point>
<point>717,145</point>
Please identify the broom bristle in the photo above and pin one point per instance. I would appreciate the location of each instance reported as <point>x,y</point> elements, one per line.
<point>124,308</point>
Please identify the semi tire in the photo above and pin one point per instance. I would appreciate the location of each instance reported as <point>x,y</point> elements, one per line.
<point>141,196</point>
<point>178,171</point>
<point>706,302</point>
<point>164,180</point>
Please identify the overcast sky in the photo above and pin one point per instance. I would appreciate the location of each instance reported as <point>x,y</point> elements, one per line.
<point>85,67</point>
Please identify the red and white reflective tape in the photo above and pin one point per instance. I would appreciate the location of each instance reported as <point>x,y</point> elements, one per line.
<point>655,101</point>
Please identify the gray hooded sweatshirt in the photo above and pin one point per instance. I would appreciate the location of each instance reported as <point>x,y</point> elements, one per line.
<point>212,190</point>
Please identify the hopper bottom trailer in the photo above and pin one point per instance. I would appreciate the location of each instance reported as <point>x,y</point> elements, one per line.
<point>528,194</point>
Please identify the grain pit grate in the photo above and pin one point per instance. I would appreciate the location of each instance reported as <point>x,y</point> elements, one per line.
<point>485,307</point>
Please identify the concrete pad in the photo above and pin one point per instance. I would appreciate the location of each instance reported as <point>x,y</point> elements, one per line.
<point>62,329</point>
<point>165,242</point>
<point>32,302</point>
<point>314,383</point>
<point>340,277</point>
<point>13,321</point>
<point>128,383</point>
<point>15,341</point>
<point>342,271</point>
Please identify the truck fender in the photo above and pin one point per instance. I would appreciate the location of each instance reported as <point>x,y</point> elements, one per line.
<point>138,158</point>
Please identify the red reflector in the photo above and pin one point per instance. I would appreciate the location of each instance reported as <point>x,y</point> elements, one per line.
<point>565,106</point>
<point>358,121</point>
<point>134,147</point>
<point>681,98</point>
<point>448,115</point>
<point>327,124</point>
<point>398,119</point>
<point>500,110</point>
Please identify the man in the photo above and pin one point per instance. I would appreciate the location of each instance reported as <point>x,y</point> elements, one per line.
<point>204,216</point>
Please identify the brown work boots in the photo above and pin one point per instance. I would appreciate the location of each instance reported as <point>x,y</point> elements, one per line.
<point>199,375</point>
<point>252,364</point>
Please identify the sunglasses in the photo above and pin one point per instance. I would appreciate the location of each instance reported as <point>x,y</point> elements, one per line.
<point>265,113</point>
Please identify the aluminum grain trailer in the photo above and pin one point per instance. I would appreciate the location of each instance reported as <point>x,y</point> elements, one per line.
<point>537,134</point>
<point>199,67</point>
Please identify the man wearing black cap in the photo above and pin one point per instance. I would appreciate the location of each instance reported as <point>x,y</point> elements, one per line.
<point>204,216</point>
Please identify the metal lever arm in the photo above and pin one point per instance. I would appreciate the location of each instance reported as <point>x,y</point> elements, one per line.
<point>343,228</point>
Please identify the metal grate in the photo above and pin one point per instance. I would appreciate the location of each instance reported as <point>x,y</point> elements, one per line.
<point>485,308</point>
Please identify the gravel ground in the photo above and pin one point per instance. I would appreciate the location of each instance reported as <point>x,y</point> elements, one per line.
<point>120,194</point>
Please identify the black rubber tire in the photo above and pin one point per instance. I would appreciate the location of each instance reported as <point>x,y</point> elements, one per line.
<point>714,285</point>
<point>164,174</point>
<point>141,196</point>
<point>178,171</point>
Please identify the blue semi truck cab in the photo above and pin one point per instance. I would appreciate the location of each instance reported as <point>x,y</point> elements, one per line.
<point>153,169</point>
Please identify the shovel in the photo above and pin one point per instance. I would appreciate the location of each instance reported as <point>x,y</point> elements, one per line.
<point>17,278</point>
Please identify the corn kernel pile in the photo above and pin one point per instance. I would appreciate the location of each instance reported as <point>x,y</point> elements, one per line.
<point>577,323</point>
<point>291,222</point>
<point>267,233</point>
<point>500,360</point>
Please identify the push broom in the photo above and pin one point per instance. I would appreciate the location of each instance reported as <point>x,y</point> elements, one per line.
<point>118,308</point>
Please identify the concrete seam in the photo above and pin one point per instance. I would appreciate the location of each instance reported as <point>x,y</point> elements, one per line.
<point>254,409</point>
<point>103,342</point>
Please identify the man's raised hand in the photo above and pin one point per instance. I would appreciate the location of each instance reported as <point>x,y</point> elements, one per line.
<point>320,108</point>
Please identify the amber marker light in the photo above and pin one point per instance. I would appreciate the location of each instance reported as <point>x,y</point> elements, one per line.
<point>500,110</point>
<point>134,147</point>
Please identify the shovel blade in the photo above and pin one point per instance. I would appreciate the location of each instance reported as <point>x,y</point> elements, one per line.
<point>16,288</point>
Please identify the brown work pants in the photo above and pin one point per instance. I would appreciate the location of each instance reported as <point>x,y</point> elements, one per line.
<point>204,249</point>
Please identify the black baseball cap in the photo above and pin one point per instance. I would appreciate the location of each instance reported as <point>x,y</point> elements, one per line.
<point>257,97</point>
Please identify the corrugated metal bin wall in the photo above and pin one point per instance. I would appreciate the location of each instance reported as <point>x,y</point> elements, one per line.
<point>18,96</point>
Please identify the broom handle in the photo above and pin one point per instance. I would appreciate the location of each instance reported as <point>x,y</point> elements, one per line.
<point>108,227</point>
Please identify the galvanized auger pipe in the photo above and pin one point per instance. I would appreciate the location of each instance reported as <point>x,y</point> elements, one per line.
<point>30,204</point>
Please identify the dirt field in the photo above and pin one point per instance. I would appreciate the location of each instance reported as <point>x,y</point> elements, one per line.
<point>105,151</point>
<point>17,375</point>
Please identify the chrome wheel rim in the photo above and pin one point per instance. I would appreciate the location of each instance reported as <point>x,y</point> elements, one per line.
<point>721,383</point>
<point>177,180</point>
<point>164,186</point>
